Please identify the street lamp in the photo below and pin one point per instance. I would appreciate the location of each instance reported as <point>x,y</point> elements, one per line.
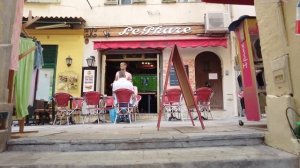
<point>90,61</point>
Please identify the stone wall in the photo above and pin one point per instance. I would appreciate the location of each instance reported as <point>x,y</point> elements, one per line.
<point>7,15</point>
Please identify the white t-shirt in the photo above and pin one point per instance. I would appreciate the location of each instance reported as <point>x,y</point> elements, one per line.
<point>127,74</point>
<point>122,83</point>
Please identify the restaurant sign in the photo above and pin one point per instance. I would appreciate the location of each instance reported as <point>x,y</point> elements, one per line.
<point>155,30</point>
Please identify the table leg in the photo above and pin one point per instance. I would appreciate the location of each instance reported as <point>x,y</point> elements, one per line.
<point>149,96</point>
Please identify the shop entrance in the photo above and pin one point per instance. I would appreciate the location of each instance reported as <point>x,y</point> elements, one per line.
<point>143,68</point>
<point>208,72</point>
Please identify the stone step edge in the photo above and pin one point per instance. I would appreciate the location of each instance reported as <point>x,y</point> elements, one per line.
<point>135,140</point>
<point>233,156</point>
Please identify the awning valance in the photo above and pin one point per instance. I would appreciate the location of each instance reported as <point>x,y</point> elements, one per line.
<point>160,44</point>
<point>236,2</point>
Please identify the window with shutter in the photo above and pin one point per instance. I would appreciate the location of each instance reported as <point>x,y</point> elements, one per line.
<point>169,1</point>
<point>49,55</point>
<point>111,2</point>
<point>44,1</point>
<point>186,1</point>
<point>138,1</point>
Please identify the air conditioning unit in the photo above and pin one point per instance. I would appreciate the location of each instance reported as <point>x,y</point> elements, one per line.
<point>216,22</point>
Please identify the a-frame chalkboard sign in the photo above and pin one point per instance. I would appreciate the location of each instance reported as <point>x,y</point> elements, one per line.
<point>184,85</point>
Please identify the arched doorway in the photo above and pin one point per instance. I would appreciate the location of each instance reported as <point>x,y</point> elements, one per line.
<point>208,71</point>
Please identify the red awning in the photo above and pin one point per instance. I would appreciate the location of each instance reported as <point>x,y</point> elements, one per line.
<point>236,2</point>
<point>160,44</point>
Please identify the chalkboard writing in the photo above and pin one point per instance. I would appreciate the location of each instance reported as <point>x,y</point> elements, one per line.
<point>173,77</point>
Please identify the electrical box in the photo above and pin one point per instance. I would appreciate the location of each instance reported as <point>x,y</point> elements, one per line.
<point>216,22</point>
<point>281,76</point>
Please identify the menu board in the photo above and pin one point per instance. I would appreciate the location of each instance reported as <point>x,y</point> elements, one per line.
<point>173,77</point>
<point>89,79</point>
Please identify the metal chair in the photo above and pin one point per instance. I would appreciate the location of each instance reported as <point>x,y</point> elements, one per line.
<point>77,103</point>
<point>136,106</point>
<point>107,103</point>
<point>92,100</point>
<point>41,113</point>
<point>204,95</point>
<point>124,106</point>
<point>62,106</point>
<point>172,104</point>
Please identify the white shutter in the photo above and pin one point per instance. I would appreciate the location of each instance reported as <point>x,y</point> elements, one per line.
<point>138,1</point>
<point>169,1</point>
<point>111,2</point>
<point>44,1</point>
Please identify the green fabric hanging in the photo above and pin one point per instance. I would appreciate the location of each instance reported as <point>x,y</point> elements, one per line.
<point>23,78</point>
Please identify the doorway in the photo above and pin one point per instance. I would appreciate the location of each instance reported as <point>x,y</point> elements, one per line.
<point>208,72</point>
<point>45,84</point>
<point>144,70</point>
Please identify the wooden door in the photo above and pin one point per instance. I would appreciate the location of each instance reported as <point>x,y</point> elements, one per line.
<point>208,71</point>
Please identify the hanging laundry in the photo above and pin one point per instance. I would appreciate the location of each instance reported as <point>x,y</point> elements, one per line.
<point>23,78</point>
<point>38,56</point>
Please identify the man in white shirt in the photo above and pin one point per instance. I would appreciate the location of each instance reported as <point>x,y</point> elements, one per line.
<point>123,67</point>
<point>121,83</point>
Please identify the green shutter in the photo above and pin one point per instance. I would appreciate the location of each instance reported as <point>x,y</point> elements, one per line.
<point>49,56</point>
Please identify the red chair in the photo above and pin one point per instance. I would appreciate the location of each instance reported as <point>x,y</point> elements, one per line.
<point>62,106</point>
<point>204,95</point>
<point>92,100</point>
<point>124,106</point>
<point>172,104</point>
<point>108,103</point>
<point>77,104</point>
<point>136,106</point>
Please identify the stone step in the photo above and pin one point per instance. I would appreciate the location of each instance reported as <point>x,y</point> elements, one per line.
<point>42,144</point>
<point>258,156</point>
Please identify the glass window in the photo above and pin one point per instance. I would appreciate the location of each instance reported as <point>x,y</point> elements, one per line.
<point>185,1</point>
<point>125,2</point>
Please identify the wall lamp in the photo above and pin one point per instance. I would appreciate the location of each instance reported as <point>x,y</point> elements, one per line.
<point>90,61</point>
<point>69,61</point>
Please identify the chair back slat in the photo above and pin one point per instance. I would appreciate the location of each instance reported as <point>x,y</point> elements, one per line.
<point>92,98</point>
<point>109,101</point>
<point>123,95</point>
<point>62,99</point>
<point>138,98</point>
<point>204,94</point>
<point>77,103</point>
<point>173,95</point>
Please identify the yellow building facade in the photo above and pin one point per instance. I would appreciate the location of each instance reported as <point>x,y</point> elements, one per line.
<point>69,43</point>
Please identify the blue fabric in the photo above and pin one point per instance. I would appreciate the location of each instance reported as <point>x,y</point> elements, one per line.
<point>112,114</point>
<point>38,56</point>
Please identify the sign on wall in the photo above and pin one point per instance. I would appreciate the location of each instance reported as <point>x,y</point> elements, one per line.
<point>148,30</point>
<point>89,79</point>
<point>173,78</point>
<point>213,76</point>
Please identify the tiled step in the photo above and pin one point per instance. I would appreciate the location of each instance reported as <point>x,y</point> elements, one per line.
<point>258,156</point>
<point>42,144</point>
